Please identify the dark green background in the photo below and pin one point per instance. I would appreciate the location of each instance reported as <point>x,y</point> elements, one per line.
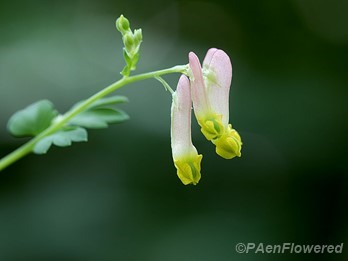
<point>117,197</point>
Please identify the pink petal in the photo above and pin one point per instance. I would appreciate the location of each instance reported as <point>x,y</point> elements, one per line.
<point>198,90</point>
<point>209,55</point>
<point>181,119</point>
<point>220,64</point>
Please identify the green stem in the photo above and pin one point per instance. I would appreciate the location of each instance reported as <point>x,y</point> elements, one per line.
<point>56,125</point>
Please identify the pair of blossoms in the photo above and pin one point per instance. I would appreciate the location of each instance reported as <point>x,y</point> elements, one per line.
<point>207,89</point>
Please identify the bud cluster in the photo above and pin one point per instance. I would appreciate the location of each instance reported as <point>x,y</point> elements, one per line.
<point>131,43</point>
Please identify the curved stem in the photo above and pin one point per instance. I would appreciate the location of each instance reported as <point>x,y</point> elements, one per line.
<point>56,125</point>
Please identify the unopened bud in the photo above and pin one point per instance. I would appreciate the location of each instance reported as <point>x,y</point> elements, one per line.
<point>128,41</point>
<point>138,36</point>
<point>122,25</point>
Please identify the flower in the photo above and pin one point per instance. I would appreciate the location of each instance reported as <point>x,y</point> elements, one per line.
<point>210,88</point>
<point>185,156</point>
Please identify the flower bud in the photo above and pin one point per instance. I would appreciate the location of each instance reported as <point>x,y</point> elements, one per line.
<point>138,36</point>
<point>122,25</point>
<point>128,42</point>
<point>131,42</point>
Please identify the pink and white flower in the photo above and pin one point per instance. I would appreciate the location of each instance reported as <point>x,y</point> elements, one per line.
<point>210,88</point>
<point>185,156</point>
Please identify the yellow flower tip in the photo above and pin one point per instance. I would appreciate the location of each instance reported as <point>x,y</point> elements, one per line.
<point>229,145</point>
<point>189,169</point>
<point>212,127</point>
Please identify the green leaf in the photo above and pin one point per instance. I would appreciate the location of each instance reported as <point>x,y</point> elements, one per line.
<point>62,138</point>
<point>32,120</point>
<point>100,114</point>
<point>99,118</point>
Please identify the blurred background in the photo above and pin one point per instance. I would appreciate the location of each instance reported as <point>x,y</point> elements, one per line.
<point>117,197</point>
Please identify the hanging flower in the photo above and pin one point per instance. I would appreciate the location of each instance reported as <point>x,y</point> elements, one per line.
<point>210,88</point>
<point>185,156</point>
